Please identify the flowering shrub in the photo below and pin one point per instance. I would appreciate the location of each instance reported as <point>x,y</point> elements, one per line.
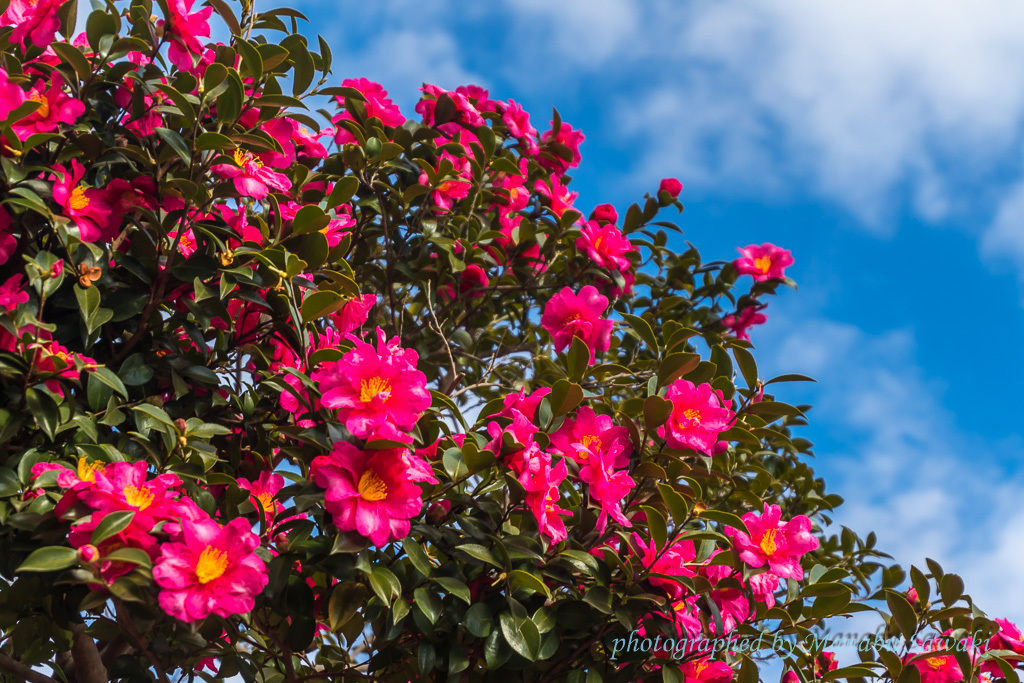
<point>377,401</point>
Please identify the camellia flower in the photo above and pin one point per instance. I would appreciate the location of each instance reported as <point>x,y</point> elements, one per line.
<point>55,107</point>
<point>123,486</point>
<point>521,403</point>
<point>213,569</point>
<point>671,561</point>
<point>569,315</point>
<point>250,177</point>
<point>86,207</point>
<point>32,19</point>
<point>608,485</point>
<point>132,536</point>
<point>353,314</point>
<point>670,185</point>
<point>541,483</point>
<point>184,28</point>
<point>11,94</point>
<point>8,242</point>
<point>369,492</point>
<point>699,415</point>
<point>778,544</point>
<point>560,196</point>
<point>517,120</point>
<point>606,246</point>
<point>604,213</point>
<point>590,434</point>
<point>938,668</point>
<point>377,104</point>
<point>12,292</point>
<point>706,671</point>
<point>739,323</point>
<point>378,393</point>
<point>764,262</point>
<point>263,491</point>
<point>565,139</point>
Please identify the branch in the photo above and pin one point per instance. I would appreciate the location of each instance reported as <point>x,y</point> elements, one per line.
<point>27,673</point>
<point>88,665</point>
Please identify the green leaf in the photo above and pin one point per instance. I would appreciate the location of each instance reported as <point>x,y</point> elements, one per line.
<point>454,587</point>
<point>577,360</point>
<point>656,525</point>
<point>478,620</point>
<point>644,331</point>
<point>951,587</point>
<point>132,555</point>
<point>656,411</point>
<point>49,559</point>
<point>675,366</point>
<point>454,464</point>
<point>902,613</point>
<point>727,518</point>
<point>112,523</point>
<point>74,58</point>
<point>320,304</point>
<point>385,584</point>
<point>428,602</point>
<point>177,143</point>
<point>45,410</point>
<point>748,368</point>
<point>252,62</point>
<point>210,140</point>
<point>110,379</point>
<point>479,552</point>
<point>523,579</point>
<point>345,600</point>
<point>675,503</point>
<point>522,636</point>
<point>343,191</point>
<point>564,397</point>
<point>416,555</point>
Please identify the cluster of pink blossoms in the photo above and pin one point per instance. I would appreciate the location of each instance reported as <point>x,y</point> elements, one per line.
<point>201,566</point>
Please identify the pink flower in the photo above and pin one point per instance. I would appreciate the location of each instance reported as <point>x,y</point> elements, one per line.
<point>936,669</point>
<point>560,197</point>
<point>55,108</point>
<point>670,185</point>
<point>706,671</point>
<point>606,246</point>
<point>763,586</point>
<point>123,486</point>
<point>765,262</point>
<point>520,402</point>
<point>187,244</point>
<point>466,113</point>
<point>454,189</point>
<point>673,561</point>
<point>8,242</point>
<point>132,536</point>
<point>569,315</point>
<point>377,105</point>
<point>542,497</point>
<point>590,434</point>
<point>35,19</point>
<point>699,415</point>
<point>238,220</point>
<point>480,97</point>
<point>11,94</point>
<point>517,120</point>
<point>250,177</point>
<point>12,293</point>
<point>565,142</point>
<point>353,314</point>
<point>604,213</point>
<point>778,544</point>
<point>608,485</point>
<point>86,207</point>
<point>739,323</point>
<point>369,492</point>
<point>212,570</point>
<point>263,491</point>
<point>378,393</point>
<point>184,30</point>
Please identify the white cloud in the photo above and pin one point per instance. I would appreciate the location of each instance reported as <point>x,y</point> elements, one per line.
<point>907,469</point>
<point>1004,237</point>
<point>859,99</point>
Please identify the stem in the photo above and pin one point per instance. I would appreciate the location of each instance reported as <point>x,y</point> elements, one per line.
<point>15,667</point>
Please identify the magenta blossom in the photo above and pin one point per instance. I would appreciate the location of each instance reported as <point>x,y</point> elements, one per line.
<point>771,541</point>
<point>55,107</point>
<point>12,292</point>
<point>699,415</point>
<point>740,323</point>
<point>264,491</point>
<point>764,262</point>
<point>377,105</point>
<point>670,185</point>
<point>36,20</point>
<point>185,28</point>
<point>87,207</point>
<point>353,314</point>
<point>124,486</point>
<point>606,246</point>
<point>213,569</point>
<point>378,393</point>
<point>569,315</point>
<point>370,492</point>
<point>250,177</point>
<point>565,142</point>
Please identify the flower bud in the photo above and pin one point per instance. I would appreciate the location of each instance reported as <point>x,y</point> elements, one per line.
<point>438,511</point>
<point>672,186</point>
<point>604,213</point>
<point>88,554</point>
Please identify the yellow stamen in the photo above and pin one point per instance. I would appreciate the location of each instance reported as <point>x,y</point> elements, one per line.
<point>936,663</point>
<point>266,501</point>
<point>373,387</point>
<point>763,263</point>
<point>371,487</point>
<point>78,200</point>
<point>242,158</point>
<point>212,563</point>
<point>44,104</point>
<point>140,498</point>
<point>87,470</point>
<point>768,542</point>
<point>692,414</point>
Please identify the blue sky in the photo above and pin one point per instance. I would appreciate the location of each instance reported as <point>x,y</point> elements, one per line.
<point>880,142</point>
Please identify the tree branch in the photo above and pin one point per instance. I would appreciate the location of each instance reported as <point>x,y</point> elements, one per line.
<point>18,669</point>
<point>88,665</point>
